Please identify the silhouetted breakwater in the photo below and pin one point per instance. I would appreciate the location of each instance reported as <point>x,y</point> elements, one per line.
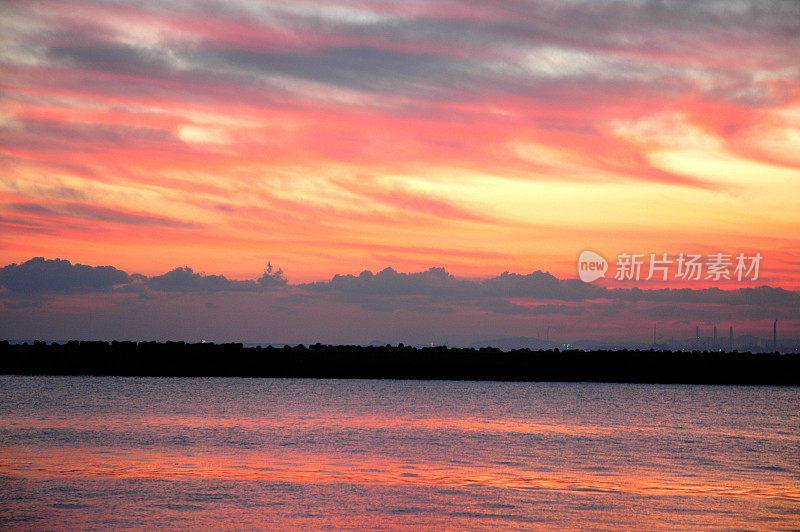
<point>400,362</point>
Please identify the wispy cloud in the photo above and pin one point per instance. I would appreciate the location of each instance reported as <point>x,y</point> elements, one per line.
<point>463,126</point>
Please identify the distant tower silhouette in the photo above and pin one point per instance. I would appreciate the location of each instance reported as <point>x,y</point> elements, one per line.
<point>715,336</point>
<point>775,335</point>
<point>730,338</point>
<point>654,334</point>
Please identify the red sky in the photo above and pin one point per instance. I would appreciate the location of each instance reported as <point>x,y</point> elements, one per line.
<point>334,137</point>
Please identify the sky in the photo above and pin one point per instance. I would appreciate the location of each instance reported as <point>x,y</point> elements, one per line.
<point>449,141</point>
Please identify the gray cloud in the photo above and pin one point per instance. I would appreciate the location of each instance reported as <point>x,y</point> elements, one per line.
<point>388,282</point>
<point>39,275</point>
<point>362,67</point>
<point>420,304</point>
<point>186,280</point>
<point>53,136</point>
<point>438,284</point>
<point>614,45</point>
<point>96,212</point>
<point>432,290</point>
<point>113,58</point>
<point>272,278</point>
<point>57,276</point>
<point>539,285</point>
<point>759,296</point>
<point>105,214</point>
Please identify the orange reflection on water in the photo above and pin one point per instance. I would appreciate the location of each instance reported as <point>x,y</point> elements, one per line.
<point>465,424</point>
<point>365,422</point>
<point>356,455</point>
<point>316,467</point>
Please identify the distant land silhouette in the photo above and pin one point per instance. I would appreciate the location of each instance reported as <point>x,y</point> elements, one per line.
<point>179,359</point>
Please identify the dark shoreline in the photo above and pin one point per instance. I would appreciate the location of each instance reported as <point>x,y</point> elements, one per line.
<point>178,359</point>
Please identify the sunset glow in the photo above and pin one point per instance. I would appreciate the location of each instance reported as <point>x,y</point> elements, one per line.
<point>482,137</point>
<point>431,145</point>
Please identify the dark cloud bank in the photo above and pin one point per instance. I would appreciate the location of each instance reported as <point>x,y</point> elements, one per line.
<point>386,290</point>
<point>43,276</point>
<point>59,276</point>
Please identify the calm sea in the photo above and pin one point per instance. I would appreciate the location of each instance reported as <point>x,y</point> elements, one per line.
<point>115,453</point>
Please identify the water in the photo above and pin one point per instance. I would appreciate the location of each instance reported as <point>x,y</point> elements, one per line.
<point>113,453</point>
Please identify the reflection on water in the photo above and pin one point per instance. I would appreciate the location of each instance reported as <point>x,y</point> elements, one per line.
<point>100,453</point>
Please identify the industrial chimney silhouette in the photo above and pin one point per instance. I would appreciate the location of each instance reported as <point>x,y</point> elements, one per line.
<point>775,335</point>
